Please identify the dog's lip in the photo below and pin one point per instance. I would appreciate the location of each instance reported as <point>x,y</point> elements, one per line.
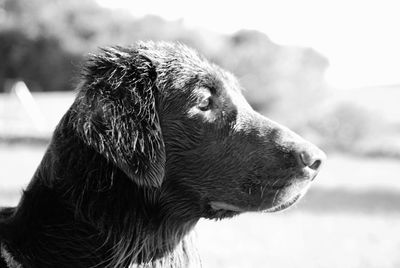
<point>218,205</point>
<point>285,205</point>
<point>225,206</point>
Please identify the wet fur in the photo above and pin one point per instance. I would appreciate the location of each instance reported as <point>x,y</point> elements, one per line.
<point>95,201</point>
<point>129,172</point>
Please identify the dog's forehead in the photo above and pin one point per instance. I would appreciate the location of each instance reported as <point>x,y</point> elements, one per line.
<point>184,68</point>
<point>171,55</point>
<point>183,64</point>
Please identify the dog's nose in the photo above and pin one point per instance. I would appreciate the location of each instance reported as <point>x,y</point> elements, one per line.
<point>306,154</point>
<point>310,156</point>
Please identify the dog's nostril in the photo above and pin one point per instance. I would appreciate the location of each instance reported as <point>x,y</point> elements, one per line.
<point>311,158</point>
<point>316,164</point>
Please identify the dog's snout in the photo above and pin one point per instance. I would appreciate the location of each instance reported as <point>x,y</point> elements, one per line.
<point>306,154</point>
<point>310,156</point>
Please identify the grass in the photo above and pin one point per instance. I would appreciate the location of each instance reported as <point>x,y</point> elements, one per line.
<point>350,218</point>
<point>302,239</point>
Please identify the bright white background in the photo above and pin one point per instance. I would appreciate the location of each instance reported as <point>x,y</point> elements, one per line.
<point>361,39</point>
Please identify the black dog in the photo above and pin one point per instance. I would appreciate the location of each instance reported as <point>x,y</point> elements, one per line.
<point>156,139</point>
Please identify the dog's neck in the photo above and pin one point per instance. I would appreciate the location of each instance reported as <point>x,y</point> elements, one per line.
<point>92,215</point>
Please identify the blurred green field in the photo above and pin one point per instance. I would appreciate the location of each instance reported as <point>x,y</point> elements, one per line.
<point>349,218</point>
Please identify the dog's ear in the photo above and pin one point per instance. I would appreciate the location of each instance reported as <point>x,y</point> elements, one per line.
<point>116,113</point>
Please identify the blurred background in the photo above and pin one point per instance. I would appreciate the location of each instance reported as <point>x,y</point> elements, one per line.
<point>327,69</point>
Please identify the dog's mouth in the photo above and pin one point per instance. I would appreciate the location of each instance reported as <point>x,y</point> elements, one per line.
<point>280,198</point>
<point>229,208</point>
<point>285,204</point>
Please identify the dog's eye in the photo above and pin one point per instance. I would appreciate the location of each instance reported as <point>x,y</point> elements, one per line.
<point>205,104</point>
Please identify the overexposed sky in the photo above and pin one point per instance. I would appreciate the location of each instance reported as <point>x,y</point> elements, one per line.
<point>361,39</point>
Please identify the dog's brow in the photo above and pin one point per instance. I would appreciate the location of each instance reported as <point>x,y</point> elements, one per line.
<point>212,83</point>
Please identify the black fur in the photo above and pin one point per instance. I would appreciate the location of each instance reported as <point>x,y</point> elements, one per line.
<point>137,161</point>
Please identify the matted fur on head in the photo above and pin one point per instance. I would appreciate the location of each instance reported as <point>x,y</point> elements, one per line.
<point>116,113</point>
<point>157,138</point>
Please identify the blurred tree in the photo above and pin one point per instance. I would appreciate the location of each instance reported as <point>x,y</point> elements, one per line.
<point>43,41</point>
<point>40,62</point>
<point>278,79</point>
<point>344,126</point>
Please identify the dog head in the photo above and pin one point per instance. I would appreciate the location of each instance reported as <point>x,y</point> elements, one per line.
<point>170,119</point>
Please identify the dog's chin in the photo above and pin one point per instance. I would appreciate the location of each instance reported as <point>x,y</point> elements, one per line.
<point>280,200</point>
<point>225,210</point>
<point>285,204</point>
<point>287,196</point>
